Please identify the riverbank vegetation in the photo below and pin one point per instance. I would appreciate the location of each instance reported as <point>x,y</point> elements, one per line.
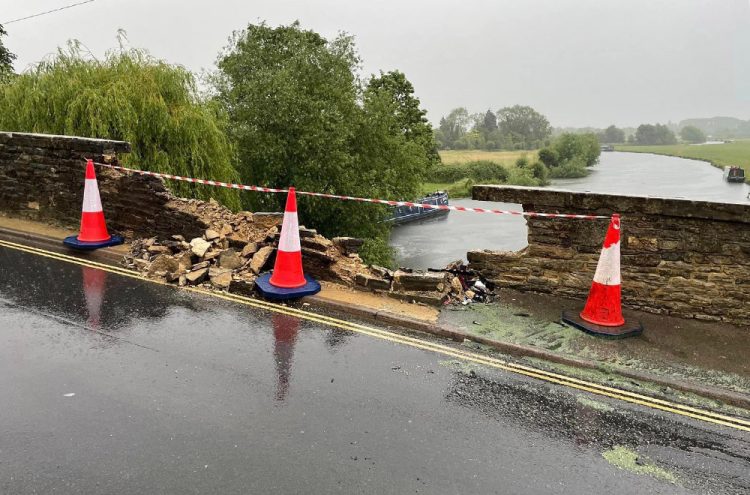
<point>736,153</point>
<point>460,170</point>
<point>567,156</point>
<point>570,155</point>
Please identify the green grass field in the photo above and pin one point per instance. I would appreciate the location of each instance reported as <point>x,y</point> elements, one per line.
<point>508,158</point>
<point>462,188</point>
<point>720,155</point>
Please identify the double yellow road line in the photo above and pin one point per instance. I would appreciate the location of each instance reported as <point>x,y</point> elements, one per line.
<point>485,360</point>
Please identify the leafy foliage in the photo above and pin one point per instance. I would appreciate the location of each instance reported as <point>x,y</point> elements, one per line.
<point>570,154</point>
<point>6,58</point>
<point>300,116</point>
<point>128,96</point>
<point>411,119</point>
<point>453,127</point>
<point>649,135</point>
<point>525,126</point>
<point>480,171</point>
<point>517,127</point>
<point>612,135</point>
<point>692,134</point>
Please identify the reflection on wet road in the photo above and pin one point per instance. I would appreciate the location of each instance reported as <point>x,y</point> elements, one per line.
<point>183,393</point>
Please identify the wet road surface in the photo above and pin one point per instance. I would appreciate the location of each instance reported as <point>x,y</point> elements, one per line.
<point>114,385</point>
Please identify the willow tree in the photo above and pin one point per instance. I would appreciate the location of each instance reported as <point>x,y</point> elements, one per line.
<point>127,96</point>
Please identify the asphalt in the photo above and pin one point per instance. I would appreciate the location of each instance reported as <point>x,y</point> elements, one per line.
<point>115,385</point>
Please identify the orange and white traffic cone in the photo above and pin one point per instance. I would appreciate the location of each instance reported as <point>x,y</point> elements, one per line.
<point>287,271</point>
<point>288,281</point>
<point>602,314</point>
<point>603,306</point>
<point>93,233</point>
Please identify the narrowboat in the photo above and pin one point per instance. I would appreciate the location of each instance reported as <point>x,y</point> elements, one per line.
<point>406,214</point>
<point>734,174</point>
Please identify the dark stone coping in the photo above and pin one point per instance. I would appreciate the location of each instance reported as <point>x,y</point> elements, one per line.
<point>563,201</point>
<point>52,141</point>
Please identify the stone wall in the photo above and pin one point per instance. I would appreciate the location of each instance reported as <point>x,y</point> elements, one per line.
<point>41,178</point>
<point>679,257</point>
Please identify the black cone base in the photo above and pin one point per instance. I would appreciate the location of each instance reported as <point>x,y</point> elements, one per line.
<point>272,292</point>
<point>73,242</point>
<point>631,328</point>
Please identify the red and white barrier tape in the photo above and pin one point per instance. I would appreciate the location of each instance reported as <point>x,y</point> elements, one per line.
<point>243,187</point>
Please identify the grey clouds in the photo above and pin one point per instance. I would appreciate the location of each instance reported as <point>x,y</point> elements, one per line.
<point>580,62</point>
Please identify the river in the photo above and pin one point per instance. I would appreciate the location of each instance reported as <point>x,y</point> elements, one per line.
<point>435,243</point>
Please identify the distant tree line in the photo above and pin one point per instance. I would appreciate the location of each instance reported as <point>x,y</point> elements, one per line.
<point>510,128</point>
<point>645,134</point>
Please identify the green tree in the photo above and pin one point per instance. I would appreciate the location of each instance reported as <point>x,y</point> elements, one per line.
<point>582,146</point>
<point>6,57</point>
<point>549,157</point>
<point>612,135</point>
<point>569,155</point>
<point>692,134</point>
<point>490,121</point>
<point>128,95</point>
<point>300,117</point>
<point>410,117</point>
<point>453,127</point>
<point>525,127</point>
<point>649,135</point>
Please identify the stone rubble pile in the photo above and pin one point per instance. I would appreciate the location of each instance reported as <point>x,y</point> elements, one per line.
<point>234,248</point>
<point>231,254</point>
<point>453,285</point>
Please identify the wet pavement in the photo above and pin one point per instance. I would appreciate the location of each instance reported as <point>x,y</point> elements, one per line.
<point>435,243</point>
<point>114,385</point>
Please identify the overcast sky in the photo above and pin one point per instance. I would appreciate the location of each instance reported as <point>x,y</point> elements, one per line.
<point>580,62</point>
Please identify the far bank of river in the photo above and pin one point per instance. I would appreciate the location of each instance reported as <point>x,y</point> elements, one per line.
<point>435,243</point>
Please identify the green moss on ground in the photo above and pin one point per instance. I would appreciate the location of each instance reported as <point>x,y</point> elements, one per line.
<point>594,404</point>
<point>629,460</point>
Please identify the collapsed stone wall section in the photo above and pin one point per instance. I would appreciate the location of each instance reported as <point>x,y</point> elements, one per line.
<point>41,178</point>
<point>679,257</point>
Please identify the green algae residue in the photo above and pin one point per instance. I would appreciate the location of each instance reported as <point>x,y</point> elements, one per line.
<point>507,323</point>
<point>460,366</point>
<point>594,404</point>
<point>629,460</point>
<point>612,379</point>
